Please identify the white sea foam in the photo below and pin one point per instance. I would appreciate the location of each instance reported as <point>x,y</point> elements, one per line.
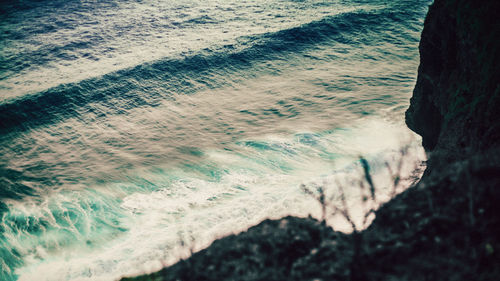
<point>244,188</point>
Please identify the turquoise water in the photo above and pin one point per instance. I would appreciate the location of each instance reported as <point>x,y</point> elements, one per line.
<point>128,126</point>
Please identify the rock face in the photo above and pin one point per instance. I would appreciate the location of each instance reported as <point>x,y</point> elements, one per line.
<point>456,102</point>
<point>272,250</point>
<point>447,227</point>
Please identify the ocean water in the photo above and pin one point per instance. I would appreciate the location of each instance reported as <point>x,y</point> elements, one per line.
<point>127,127</point>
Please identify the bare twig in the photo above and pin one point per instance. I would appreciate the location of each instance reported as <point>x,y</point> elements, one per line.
<point>320,197</point>
<point>368,177</point>
<point>345,209</point>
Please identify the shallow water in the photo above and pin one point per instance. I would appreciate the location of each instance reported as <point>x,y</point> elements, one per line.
<point>127,126</point>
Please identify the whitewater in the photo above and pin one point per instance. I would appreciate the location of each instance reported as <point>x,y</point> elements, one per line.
<point>135,132</point>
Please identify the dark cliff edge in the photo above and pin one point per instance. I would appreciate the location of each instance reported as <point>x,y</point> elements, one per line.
<point>456,105</point>
<point>447,227</point>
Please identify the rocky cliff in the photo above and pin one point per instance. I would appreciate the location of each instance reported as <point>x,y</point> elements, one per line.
<point>456,104</point>
<point>447,227</point>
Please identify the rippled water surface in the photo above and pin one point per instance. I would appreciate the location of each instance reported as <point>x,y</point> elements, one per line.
<point>127,126</point>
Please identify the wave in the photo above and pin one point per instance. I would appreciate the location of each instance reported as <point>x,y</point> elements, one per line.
<point>148,212</point>
<point>148,84</point>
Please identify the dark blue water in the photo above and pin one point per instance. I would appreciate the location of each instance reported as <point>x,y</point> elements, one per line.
<point>127,126</point>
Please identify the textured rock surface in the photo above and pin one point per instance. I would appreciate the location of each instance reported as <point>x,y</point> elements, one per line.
<point>447,227</point>
<point>456,101</point>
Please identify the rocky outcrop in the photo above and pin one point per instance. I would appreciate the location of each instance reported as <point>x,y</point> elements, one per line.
<point>272,250</point>
<point>456,102</point>
<point>447,227</point>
